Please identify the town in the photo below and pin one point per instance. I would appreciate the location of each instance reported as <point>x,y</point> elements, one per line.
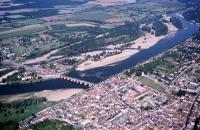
<point>130,102</point>
<point>100,64</point>
<point>123,103</point>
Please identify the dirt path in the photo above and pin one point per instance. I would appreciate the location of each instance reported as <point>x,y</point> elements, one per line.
<point>8,74</point>
<point>41,58</point>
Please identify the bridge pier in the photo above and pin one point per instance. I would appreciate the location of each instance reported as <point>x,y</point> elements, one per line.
<point>78,81</point>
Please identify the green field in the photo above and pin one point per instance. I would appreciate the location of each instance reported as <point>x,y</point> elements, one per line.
<point>51,125</point>
<point>11,114</point>
<point>23,32</point>
<point>4,29</point>
<point>151,84</point>
<point>94,16</point>
<point>14,114</point>
<point>18,24</point>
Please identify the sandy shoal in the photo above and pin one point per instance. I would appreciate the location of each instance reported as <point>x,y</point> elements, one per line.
<point>57,95</point>
<point>51,95</point>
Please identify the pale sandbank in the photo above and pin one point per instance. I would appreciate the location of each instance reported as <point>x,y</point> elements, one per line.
<point>57,95</point>
<point>51,95</point>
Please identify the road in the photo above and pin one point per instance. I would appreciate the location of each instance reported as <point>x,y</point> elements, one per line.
<point>177,77</point>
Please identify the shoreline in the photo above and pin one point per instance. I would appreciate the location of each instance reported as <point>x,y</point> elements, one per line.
<point>50,95</point>
<point>19,83</point>
<point>57,95</point>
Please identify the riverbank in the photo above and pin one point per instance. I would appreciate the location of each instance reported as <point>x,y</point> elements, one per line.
<point>57,95</point>
<point>54,84</point>
<point>50,95</point>
<point>144,42</point>
<point>16,83</point>
<point>101,73</point>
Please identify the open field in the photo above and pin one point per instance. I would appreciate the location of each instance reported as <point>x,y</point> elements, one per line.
<point>57,17</point>
<point>15,116</point>
<point>93,16</point>
<point>152,84</point>
<point>16,97</point>
<point>22,31</point>
<point>25,23</point>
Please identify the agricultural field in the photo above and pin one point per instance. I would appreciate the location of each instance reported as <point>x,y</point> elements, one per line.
<point>20,32</point>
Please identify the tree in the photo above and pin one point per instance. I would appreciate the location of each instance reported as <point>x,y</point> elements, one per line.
<point>10,125</point>
<point>1,57</point>
<point>160,28</point>
<point>21,110</point>
<point>146,28</point>
<point>176,22</point>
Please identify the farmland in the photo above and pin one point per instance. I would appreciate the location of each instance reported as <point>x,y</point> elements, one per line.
<point>104,18</point>
<point>21,31</point>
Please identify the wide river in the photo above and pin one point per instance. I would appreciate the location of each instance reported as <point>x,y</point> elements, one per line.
<point>102,73</point>
<point>99,74</point>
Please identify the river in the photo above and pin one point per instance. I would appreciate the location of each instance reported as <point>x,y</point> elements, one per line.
<point>102,73</point>
<point>99,74</point>
<point>40,86</point>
